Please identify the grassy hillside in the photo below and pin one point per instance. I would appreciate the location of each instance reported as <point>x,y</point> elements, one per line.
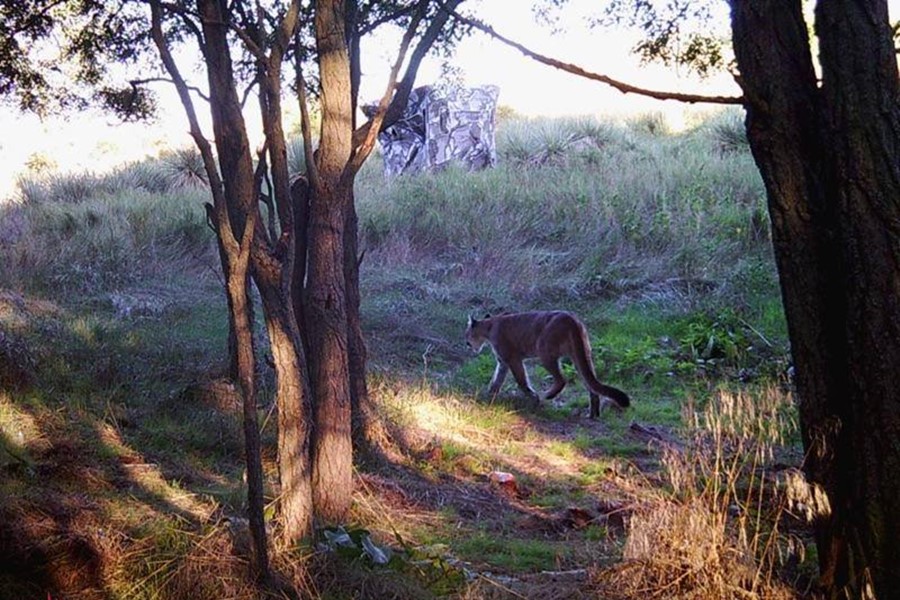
<point>120,444</point>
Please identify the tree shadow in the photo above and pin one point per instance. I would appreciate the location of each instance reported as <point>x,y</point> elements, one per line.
<point>91,480</point>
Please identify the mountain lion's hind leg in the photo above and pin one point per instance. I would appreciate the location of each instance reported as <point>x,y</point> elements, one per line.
<point>559,382</point>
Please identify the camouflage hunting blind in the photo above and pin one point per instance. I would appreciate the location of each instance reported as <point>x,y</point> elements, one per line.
<point>440,126</point>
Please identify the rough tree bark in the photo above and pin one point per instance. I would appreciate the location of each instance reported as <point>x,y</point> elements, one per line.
<point>236,171</point>
<point>235,258</point>
<point>236,195</point>
<point>367,429</point>
<point>365,425</point>
<point>331,295</point>
<point>273,272</point>
<point>326,306</point>
<point>829,155</point>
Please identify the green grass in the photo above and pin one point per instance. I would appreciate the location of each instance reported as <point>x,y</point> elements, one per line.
<point>511,554</point>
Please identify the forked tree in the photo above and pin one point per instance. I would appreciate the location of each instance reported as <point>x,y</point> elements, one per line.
<point>304,262</point>
<point>302,270</point>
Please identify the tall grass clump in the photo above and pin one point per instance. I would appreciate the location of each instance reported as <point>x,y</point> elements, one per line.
<point>553,142</point>
<point>728,132</point>
<point>718,530</point>
<point>183,167</point>
<point>577,201</point>
<point>110,238</point>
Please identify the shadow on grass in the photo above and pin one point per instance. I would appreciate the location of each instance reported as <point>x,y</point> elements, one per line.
<point>104,462</point>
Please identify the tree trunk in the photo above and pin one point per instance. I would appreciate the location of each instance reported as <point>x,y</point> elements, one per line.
<point>246,365</point>
<point>326,296</point>
<point>293,398</point>
<point>273,272</point>
<point>237,179</point>
<point>828,158</point>
<point>327,324</point>
<point>367,431</point>
<point>861,92</point>
<point>234,256</point>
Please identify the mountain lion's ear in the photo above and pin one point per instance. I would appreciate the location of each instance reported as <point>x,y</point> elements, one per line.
<point>487,315</point>
<point>472,320</point>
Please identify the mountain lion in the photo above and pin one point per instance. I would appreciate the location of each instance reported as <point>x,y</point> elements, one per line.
<point>547,336</point>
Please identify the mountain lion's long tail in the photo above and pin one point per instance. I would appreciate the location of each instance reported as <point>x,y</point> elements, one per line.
<point>585,366</point>
<point>616,394</point>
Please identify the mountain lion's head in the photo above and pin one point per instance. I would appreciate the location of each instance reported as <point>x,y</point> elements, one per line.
<point>477,333</point>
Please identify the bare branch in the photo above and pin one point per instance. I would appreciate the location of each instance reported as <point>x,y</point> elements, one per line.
<point>226,234</point>
<point>247,90</point>
<point>260,176</point>
<point>388,18</point>
<point>312,173</point>
<point>576,70</point>
<point>398,105</point>
<point>362,150</point>
<point>192,88</point>
<point>252,47</point>
<point>404,88</point>
<point>187,17</point>
<point>285,31</point>
<point>393,103</point>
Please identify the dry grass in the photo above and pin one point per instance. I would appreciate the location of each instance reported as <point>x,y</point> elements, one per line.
<point>715,531</point>
<point>185,565</point>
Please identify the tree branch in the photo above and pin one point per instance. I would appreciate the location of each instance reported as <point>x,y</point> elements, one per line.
<point>576,70</point>
<point>401,94</point>
<point>387,18</point>
<point>363,147</point>
<point>192,88</point>
<point>401,98</point>
<point>312,173</point>
<point>226,233</point>
<point>186,18</point>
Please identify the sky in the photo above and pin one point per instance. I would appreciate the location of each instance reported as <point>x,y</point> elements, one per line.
<point>95,142</point>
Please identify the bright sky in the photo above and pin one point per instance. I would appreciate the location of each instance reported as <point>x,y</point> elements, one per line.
<point>96,142</point>
<point>535,89</point>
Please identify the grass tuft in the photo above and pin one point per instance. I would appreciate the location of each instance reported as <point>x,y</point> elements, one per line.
<point>718,530</point>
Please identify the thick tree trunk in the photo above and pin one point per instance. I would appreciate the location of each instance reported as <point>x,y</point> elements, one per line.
<point>327,324</point>
<point>326,296</point>
<point>829,162</point>
<point>861,94</point>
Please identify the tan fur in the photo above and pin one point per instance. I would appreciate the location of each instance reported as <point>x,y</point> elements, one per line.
<point>547,336</point>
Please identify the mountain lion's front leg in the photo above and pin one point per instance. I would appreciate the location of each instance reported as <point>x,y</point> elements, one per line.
<point>518,370</point>
<point>497,380</point>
